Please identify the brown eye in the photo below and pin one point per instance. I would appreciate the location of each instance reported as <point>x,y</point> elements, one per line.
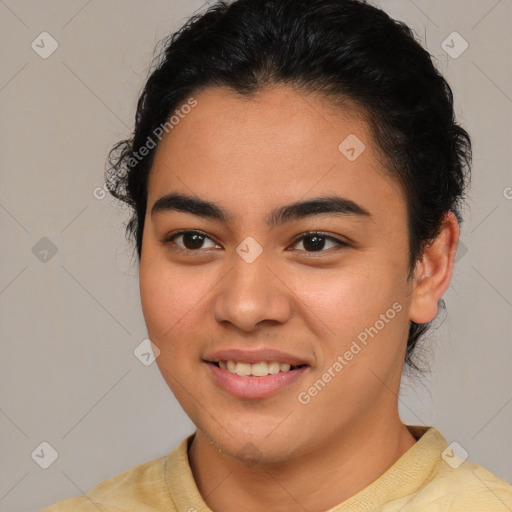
<point>191,240</point>
<point>315,242</point>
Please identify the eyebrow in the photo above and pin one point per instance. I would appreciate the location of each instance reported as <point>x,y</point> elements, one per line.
<point>320,205</point>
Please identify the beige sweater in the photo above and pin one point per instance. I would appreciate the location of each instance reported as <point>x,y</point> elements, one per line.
<point>428,477</point>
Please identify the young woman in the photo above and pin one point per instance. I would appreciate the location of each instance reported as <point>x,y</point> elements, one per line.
<point>295,175</point>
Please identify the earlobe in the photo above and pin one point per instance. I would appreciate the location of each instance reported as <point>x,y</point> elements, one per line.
<point>433,271</point>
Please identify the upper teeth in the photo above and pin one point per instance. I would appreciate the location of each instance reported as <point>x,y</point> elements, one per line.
<point>260,369</point>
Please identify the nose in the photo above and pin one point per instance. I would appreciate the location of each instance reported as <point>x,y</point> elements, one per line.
<point>252,295</point>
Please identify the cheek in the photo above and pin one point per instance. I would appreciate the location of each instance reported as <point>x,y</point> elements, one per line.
<point>350,294</point>
<point>165,314</point>
<point>165,297</point>
<point>155,298</point>
<point>352,301</point>
<point>362,321</point>
<point>175,301</point>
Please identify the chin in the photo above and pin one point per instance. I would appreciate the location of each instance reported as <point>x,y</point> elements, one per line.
<point>256,446</point>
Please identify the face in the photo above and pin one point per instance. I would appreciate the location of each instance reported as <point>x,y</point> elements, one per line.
<point>258,282</point>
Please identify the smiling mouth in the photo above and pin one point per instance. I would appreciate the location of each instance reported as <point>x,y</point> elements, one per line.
<point>260,369</point>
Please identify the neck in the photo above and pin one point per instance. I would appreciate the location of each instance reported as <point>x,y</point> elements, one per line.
<point>316,481</point>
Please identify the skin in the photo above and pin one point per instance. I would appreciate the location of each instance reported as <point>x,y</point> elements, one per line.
<point>251,156</point>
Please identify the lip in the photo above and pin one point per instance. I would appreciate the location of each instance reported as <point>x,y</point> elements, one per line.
<point>253,387</point>
<point>255,356</point>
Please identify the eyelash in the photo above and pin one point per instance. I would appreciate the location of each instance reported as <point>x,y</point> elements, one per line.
<point>170,240</point>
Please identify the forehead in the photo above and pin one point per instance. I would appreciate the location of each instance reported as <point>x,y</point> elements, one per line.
<point>274,147</point>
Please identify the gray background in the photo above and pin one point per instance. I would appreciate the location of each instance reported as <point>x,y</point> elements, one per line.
<point>70,324</point>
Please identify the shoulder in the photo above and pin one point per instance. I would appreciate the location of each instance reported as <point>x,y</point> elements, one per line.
<point>464,488</point>
<point>431,477</point>
<point>142,488</point>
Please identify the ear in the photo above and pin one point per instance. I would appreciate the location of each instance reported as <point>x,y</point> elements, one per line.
<point>433,271</point>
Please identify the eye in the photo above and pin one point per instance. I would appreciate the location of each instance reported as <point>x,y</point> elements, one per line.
<point>314,241</point>
<point>192,240</point>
